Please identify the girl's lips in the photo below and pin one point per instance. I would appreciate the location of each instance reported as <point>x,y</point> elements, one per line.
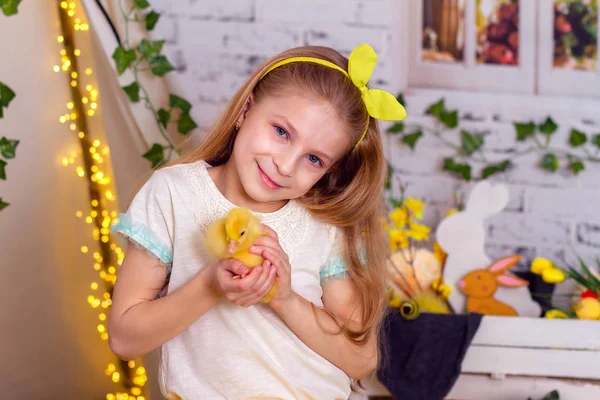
<point>267,181</point>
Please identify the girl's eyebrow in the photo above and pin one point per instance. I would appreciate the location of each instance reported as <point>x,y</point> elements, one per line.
<point>295,132</point>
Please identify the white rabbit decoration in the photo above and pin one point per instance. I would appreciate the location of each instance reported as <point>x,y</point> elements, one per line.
<point>462,237</point>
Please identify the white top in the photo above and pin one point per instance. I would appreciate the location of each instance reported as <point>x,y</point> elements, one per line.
<point>233,352</point>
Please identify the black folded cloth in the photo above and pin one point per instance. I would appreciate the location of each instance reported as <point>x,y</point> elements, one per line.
<point>421,358</point>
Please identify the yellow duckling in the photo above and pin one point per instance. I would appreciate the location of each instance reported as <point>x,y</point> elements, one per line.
<point>233,235</point>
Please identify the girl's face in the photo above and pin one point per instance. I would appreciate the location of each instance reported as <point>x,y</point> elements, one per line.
<point>285,144</point>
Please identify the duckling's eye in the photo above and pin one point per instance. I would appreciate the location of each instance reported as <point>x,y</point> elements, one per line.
<point>242,234</point>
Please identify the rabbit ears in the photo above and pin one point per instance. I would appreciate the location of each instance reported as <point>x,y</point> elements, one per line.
<point>498,268</point>
<point>487,199</point>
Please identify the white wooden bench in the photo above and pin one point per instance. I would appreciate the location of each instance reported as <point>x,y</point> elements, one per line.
<point>517,357</point>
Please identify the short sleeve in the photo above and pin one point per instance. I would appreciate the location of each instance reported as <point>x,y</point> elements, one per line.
<point>148,222</point>
<point>335,265</point>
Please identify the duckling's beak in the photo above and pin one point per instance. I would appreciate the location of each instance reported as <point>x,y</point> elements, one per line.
<point>232,246</point>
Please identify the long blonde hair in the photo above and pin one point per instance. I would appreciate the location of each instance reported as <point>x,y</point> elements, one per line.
<point>349,196</point>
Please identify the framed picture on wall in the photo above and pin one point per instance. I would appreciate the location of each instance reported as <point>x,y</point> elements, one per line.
<point>568,48</point>
<point>475,45</point>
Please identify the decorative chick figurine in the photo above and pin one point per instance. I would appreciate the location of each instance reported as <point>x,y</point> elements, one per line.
<point>232,236</point>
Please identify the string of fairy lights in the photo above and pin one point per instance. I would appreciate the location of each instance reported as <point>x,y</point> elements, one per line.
<point>93,165</point>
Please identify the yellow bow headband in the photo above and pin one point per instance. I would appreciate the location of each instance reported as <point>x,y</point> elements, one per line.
<point>380,104</point>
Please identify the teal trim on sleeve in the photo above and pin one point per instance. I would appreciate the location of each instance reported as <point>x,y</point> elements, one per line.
<point>143,237</point>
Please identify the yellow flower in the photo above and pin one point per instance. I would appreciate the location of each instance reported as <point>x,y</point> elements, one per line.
<point>395,301</point>
<point>416,206</point>
<point>439,253</point>
<point>588,308</point>
<point>398,240</point>
<point>555,314</point>
<point>553,275</point>
<point>540,264</point>
<point>399,217</point>
<point>451,211</point>
<point>418,231</point>
<point>440,287</point>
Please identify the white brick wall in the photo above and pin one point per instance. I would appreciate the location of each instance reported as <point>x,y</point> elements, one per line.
<point>215,46</point>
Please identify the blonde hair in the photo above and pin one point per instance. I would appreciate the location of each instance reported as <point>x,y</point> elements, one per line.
<point>349,196</point>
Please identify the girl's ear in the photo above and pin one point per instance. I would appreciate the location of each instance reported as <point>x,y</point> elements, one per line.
<point>242,116</point>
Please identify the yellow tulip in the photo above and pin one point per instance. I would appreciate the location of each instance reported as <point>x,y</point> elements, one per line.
<point>588,308</point>
<point>540,264</point>
<point>553,275</point>
<point>555,314</point>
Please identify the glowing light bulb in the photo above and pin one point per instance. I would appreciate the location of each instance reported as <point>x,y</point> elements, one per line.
<point>94,285</point>
<point>96,143</point>
<point>60,39</point>
<point>77,52</point>
<point>70,105</point>
<point>84,249</point>
<point>94,203</point>
<point>88,71</point>
<point>79,214</point>
<point>56,68</point>
<point>81,135</point>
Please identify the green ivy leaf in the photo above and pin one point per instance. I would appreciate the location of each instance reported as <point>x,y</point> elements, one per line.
<point>577,138</point>
<point>524,130</point>
<point>123,59</point>
<point>163,117</point>
<point>3,205</point>
<point>8,147</point>
<point>185,124</point>
<point>548,127</point>
<point>449,119</point>
<point>6,95</point>
<point>470,143</point>
<point>549,162</point>
<point>160,66</point>
<point>151,20</point>
<point>492,169</point>
<point>10,7</point>
<point>553,395</point>
<point>2,170</point>
<point>150,49</point>
<point>388,176</point>
<point>411,139</point>
<point>596,140</point>
<point>463,170</point>
<point>133,91</point>
<point>141,4</point>
<point>436,109</point>
<point>155,155</point>
<point>575,164</point>
<point>181,103</point>
<point>401,100</point>
<point>396,128</point>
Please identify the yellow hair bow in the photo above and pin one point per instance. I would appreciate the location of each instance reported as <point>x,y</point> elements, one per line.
<point>361,63</point>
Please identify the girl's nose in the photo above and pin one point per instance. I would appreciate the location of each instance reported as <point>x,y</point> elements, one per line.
<point>285,162</point>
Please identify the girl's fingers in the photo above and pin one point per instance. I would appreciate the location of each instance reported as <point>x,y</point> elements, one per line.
<point>236,267</point>
<point>257,296</point>
<point>270,232</point>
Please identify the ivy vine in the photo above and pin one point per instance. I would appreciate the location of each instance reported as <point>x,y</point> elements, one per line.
<point>8,147</point>
<point>583,147</point>
<point>146,56</point>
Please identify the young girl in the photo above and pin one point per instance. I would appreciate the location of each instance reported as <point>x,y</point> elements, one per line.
<point>298,146</point>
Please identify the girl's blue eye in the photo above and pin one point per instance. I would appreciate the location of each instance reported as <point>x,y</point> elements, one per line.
<point>280,131</point>
<point>314,159</point>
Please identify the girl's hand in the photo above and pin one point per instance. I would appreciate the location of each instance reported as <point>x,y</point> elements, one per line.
<point>269,247</point>
<point>249,290</point>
